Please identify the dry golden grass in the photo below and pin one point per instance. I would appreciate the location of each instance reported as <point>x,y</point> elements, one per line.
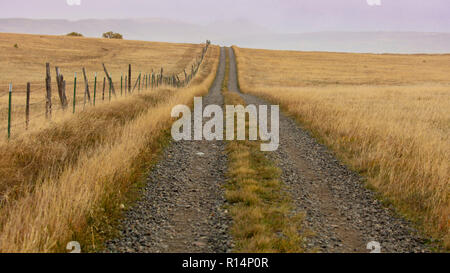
<point>24,159</point>
<point>261,210</point>
<point>294,69</point>
<point>27,64</point>
<point>78,200</point>
<point>387,116</point>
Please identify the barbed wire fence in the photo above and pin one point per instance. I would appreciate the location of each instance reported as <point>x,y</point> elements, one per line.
<point>82,96</point>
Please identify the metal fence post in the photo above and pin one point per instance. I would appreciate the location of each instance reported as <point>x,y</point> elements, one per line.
<point>74,92</point>
<point>95,86</point>
<point>9,111</point>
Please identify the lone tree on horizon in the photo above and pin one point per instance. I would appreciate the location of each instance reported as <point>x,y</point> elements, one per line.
<point>112,35</point>
<point>75,34</point>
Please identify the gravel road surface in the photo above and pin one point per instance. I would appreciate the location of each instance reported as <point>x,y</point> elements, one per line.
<point>182,205</point>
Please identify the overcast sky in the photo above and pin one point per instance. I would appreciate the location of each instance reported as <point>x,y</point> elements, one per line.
<point>280,15</point>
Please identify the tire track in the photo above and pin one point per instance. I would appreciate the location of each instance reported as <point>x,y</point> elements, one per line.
<point>341,213</point>
<point>181,209</point>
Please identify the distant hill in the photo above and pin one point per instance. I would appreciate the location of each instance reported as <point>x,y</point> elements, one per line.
<point>239,32</point>
<point>134,29</point>
<point>360,42</point>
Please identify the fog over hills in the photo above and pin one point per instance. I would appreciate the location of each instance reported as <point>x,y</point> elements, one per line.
<point>238,32</point>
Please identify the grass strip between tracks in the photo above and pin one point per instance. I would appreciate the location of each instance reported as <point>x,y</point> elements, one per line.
<point>261,210</point>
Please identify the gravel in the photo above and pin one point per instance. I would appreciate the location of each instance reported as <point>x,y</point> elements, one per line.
<point>182,205</point>
<point>341,214</point>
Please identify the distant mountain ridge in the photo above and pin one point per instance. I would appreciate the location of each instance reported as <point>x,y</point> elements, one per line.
<point>239,32</point>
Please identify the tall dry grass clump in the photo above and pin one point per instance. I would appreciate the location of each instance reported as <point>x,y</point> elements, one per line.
<point>392,126</point>
<point>78,202</point>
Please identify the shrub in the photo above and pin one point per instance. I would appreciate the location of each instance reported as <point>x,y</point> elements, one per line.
<point>75,34</point>
<point>112,35</point>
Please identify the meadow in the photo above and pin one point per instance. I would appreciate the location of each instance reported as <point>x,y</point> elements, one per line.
<point>387,116</point>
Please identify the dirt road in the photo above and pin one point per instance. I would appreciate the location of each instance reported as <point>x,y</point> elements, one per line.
<point>182,208</point>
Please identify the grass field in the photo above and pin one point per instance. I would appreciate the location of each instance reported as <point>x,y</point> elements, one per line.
<point>70,179</point>
<point>387,116</point>
<point>26,63</point>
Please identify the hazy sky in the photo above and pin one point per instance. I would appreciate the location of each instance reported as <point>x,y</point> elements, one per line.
<point>281,15</point>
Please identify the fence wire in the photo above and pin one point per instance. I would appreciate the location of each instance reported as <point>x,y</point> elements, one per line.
<point>144,81</point>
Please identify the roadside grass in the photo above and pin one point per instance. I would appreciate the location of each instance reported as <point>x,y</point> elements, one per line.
<point>391,125</point>
<point>45,153</point>
<point>85,199</point>
<point>227,71</point>
<point>261,210</point>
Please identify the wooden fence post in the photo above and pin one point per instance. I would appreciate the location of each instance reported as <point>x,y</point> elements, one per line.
<point>95,87</point>
<point>121,84</point>
<point>61,90</point>
<point>103,93</point>
<point>86,84</point>
<point>110,80</point>
<point>126,85</point>
<point>48,85</point>
<point>135,84</point>
<point>27,106</point>
<point>153,79</point>
<point>139,86</point>
<point>63,84</point>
